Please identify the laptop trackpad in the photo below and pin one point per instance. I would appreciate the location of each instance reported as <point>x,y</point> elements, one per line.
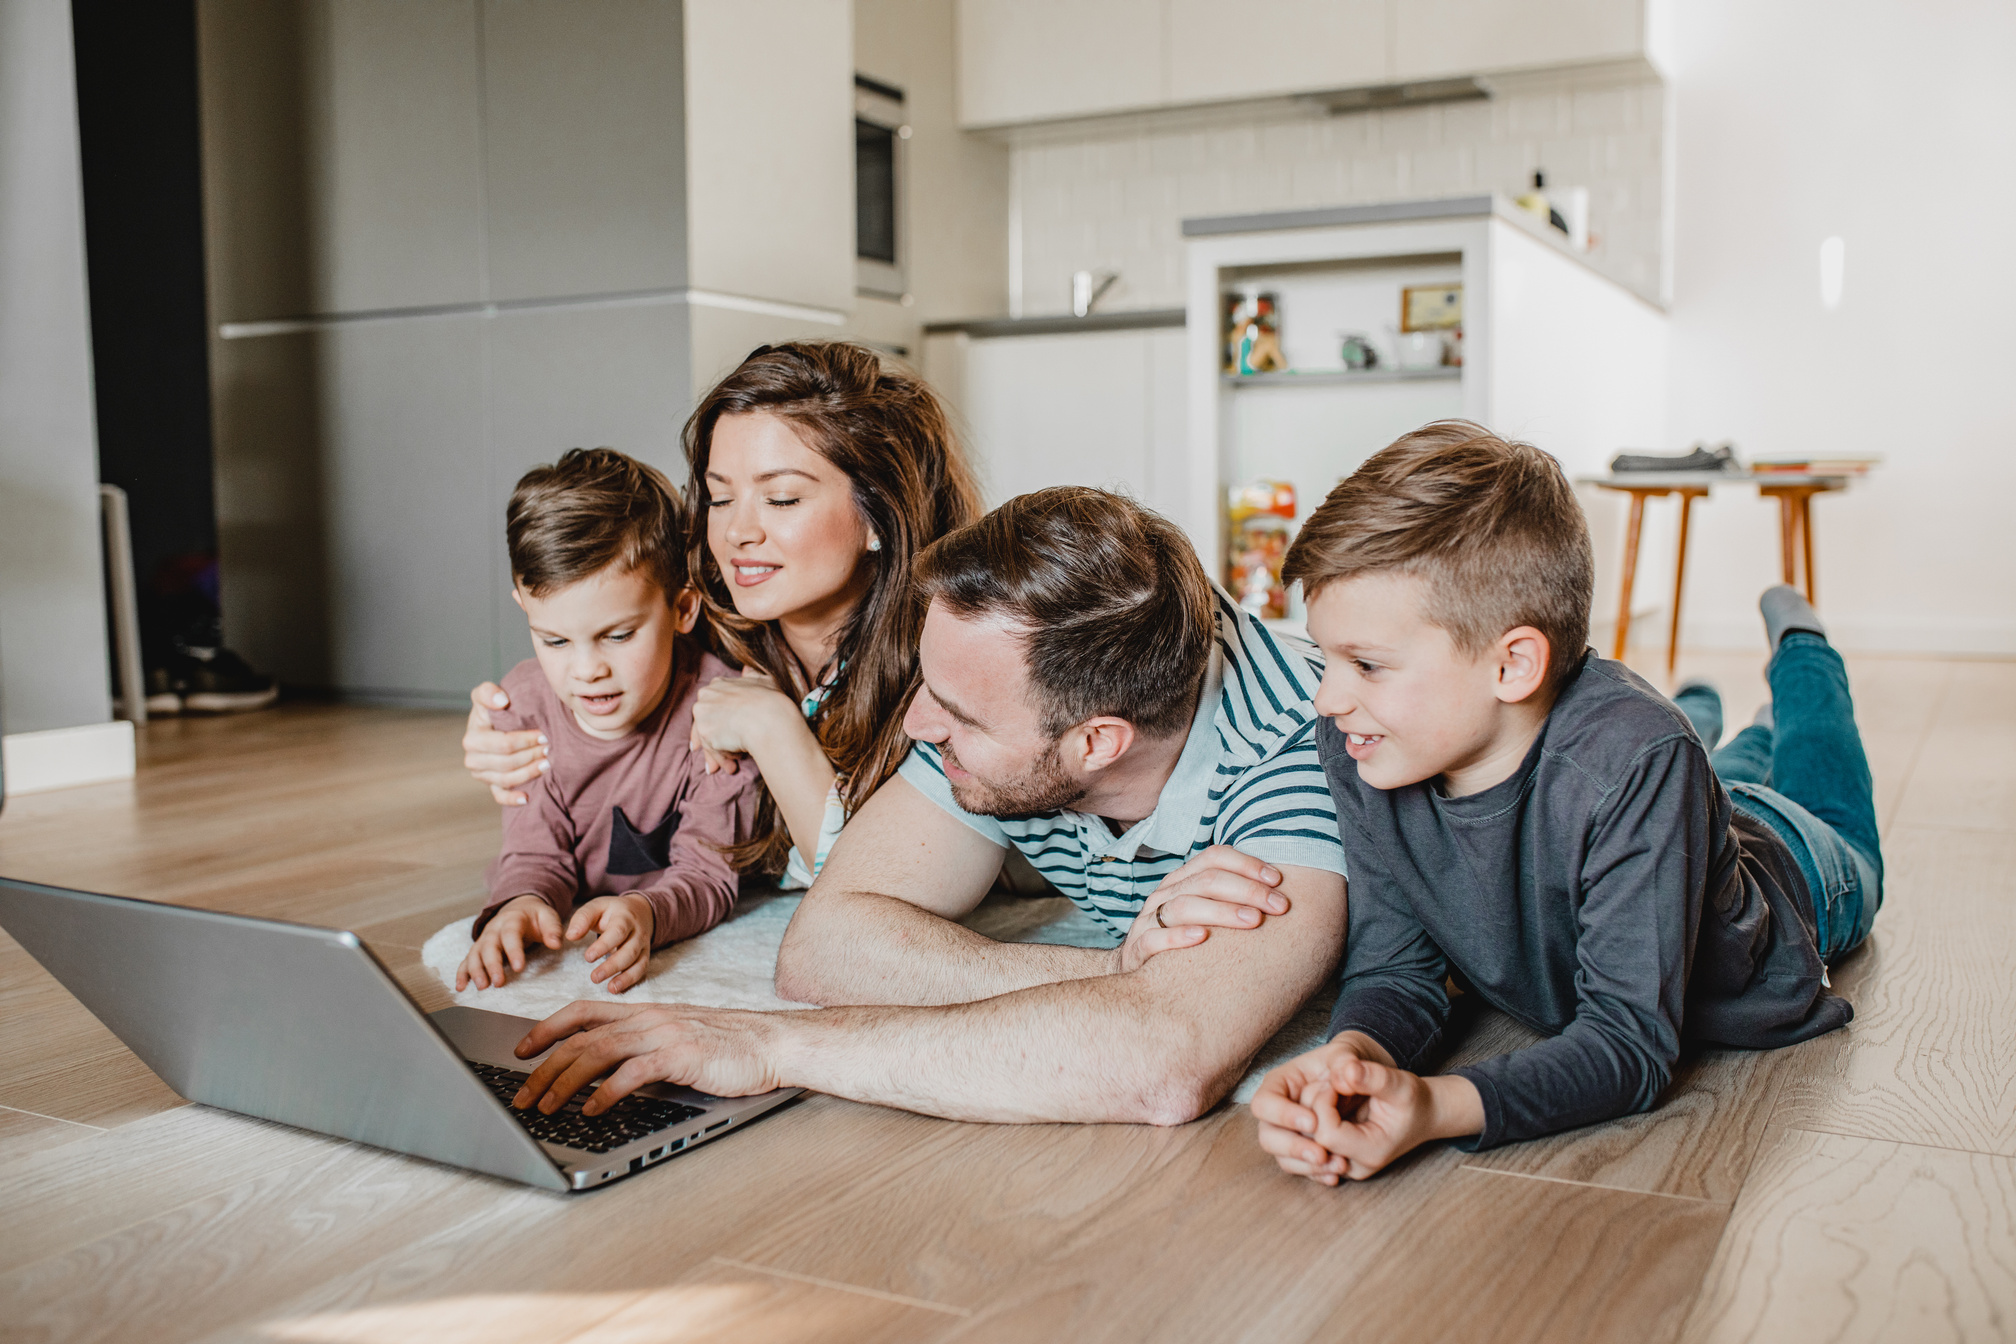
<point>486,1037</point>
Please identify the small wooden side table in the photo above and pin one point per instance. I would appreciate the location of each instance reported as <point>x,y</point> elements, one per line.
<point>1794,494</point>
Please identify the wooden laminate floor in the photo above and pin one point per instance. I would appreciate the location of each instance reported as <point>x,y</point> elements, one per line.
<point>1858,1187</point>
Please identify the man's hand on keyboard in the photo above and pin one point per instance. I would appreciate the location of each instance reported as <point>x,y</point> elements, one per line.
<point>721,1051</point>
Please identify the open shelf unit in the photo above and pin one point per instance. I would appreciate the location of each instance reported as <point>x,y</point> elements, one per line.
<point>1553,351</point>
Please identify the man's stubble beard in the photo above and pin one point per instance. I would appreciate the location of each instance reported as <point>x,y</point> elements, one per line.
<point>1046,788</point>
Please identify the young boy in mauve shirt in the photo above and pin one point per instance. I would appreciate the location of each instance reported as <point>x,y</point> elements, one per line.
<point>1537,825</point>
<point>623,835</point>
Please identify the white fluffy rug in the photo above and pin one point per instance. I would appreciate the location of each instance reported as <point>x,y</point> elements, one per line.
<point>732,966</point>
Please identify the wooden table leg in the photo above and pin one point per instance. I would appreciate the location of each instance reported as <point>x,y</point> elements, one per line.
<point>1679,579</point>
<point>1806,542</point>
<point>1795,528</point>
<point>1788,525</point>
<point>1630,572</point>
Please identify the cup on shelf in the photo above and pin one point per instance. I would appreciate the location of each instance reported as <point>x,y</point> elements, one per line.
<point>1419,349</point>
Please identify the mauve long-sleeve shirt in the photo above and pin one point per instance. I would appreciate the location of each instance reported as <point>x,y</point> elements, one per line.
<point>637,814</point>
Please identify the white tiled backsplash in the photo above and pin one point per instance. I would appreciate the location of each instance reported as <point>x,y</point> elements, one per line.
<point>1114,198</point>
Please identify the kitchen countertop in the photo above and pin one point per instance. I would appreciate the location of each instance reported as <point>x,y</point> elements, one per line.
<point>1381,212</point>
<point>1387,212</point>
<point>1060,325</point>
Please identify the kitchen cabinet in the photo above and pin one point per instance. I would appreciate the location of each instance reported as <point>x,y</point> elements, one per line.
<point>1023,61</point>
<point>1033,60</point>
<point>583,148</point>
<point>1440,38</point>
<point>1220,51</point>
<point>1049,402</point>
<point>448,239</point>
<point>770,150</point>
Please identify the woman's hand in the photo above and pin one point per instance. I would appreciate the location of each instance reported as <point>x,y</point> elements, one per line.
<point>740,716</point>
<point>502,760</point>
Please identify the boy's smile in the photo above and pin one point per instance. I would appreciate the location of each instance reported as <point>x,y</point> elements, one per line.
<point>605,644</point>
<point>1413,706</point>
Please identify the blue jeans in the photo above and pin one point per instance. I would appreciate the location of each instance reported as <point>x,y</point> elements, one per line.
<point>1807,778</point>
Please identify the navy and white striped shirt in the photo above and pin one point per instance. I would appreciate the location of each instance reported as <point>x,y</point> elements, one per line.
<point>1248,777</point>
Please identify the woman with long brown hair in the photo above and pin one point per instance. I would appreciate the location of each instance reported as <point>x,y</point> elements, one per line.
<point>815,474</point>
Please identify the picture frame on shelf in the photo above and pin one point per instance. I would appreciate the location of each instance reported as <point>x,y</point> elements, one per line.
<point>1431,307</point>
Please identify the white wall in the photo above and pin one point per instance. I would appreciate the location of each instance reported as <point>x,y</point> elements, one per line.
<point>1892,126</point>
<point>1114,197</point>
<point>52,617</point>
<point>1579,368</point>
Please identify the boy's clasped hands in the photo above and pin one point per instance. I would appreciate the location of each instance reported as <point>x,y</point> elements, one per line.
<point>622,953</point>
<point>1343,1110</point>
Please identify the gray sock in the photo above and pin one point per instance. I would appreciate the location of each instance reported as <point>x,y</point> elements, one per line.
<point>1786,609</point>
<point>1702,704</point>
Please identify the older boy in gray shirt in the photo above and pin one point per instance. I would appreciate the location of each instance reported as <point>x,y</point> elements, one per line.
<point>1540,827</point>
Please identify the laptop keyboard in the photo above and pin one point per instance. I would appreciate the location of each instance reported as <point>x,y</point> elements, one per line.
<point>629,1119</point>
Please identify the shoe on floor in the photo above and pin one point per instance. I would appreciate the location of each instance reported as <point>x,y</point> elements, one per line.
<point>212,681</point>
<point>164,701</point>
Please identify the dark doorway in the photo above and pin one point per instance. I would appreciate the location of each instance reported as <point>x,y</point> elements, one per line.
<point>141,146</point>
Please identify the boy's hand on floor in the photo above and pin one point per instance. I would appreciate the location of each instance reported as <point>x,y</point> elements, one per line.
<point>1220,888</point>
<point>1340,1112</point>
<point>504,761</point>
<point>522,919</point>
<point>1288,1125</point>
<point>623,953</point>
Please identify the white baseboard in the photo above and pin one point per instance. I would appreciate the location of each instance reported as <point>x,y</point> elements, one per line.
<point>58,758</point>
<point>1927,637</point>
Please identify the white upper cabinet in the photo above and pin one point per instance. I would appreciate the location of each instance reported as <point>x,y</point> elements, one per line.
<point>1221,51</point>
<point>1433,38</point>
<point>1045,60</point>
<point>1033,60</point>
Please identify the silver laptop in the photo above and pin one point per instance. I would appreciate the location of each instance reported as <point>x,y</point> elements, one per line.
<point>303,1025</point>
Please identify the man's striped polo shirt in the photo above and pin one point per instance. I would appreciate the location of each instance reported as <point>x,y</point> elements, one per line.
<point>1248,777</point>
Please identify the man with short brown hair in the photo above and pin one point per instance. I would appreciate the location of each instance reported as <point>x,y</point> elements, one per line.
<point>1089,699</point>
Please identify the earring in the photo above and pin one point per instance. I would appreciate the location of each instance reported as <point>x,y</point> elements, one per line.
<point>874,543</point>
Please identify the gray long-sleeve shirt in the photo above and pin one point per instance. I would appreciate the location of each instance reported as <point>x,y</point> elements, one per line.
<point>1605,894</point>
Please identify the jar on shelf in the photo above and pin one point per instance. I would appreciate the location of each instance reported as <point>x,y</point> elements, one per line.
<point>1259,512</point>
<point>1259,345</point>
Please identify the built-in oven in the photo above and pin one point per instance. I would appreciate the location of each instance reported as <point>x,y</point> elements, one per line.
<point>881,145</point>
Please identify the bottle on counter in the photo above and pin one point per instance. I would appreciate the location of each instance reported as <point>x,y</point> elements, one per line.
<point>1536,202</point>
